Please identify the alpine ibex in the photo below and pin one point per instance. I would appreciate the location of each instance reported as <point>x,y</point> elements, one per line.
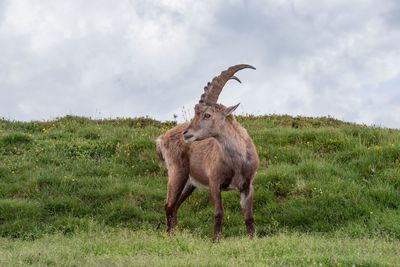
<point>212,151</point>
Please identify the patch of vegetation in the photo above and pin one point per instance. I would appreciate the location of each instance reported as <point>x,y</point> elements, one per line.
<point>316,175</point>
<point>98,245</point>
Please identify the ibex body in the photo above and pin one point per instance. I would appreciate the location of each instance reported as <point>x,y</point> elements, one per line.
<point>212,151</point>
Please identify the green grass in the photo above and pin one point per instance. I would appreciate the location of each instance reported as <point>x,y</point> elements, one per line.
<point>318,178</point>
<point>105,246</point>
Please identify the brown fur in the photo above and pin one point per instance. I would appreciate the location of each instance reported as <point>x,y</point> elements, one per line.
<point>218,153</point>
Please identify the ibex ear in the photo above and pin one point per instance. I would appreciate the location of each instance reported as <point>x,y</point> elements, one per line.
<point>230,110</point>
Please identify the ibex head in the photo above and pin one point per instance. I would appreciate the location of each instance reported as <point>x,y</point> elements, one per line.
<point>210,117</point>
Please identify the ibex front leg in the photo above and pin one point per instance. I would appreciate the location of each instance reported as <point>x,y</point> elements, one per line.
<point>246,202</point>
<point>216,199</point>
<point>176,182</point>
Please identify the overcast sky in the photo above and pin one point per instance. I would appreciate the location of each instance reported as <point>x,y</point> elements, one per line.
<point>128,58</point>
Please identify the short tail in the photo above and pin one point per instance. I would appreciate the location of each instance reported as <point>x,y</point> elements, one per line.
<point>159,150</point>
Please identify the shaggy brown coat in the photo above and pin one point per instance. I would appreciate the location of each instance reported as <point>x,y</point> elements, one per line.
<point>212,151</point>
<point>227,161</point>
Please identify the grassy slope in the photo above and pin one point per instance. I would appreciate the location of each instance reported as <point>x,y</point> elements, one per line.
<point>316,175</point>
<point>122,247</point>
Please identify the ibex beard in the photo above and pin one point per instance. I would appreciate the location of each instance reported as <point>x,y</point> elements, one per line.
<point>211,151</point>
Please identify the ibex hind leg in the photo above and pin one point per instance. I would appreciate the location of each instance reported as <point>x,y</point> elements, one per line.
<point>246,202</point>
<point>187,191</point>
<point>176,182</point>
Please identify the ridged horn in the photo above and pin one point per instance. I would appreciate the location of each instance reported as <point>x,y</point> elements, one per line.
<point>214,88</point>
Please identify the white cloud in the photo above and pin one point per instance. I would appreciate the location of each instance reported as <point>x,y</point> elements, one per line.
<point>136,58</point>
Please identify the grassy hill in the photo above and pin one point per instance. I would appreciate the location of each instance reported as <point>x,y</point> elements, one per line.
<point>321,177</point>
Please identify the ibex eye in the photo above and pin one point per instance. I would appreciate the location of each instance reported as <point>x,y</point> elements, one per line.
<point>206,115</point>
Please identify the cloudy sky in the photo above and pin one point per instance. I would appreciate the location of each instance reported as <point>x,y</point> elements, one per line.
<point>127,58</point>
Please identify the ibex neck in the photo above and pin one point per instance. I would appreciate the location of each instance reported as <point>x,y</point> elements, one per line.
<point>233,140</point>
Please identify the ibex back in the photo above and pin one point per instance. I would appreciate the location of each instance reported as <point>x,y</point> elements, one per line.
<point>212,151</point>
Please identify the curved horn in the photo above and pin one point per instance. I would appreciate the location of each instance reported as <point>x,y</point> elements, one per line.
<point>235,78</point>
<point>214,88</point>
